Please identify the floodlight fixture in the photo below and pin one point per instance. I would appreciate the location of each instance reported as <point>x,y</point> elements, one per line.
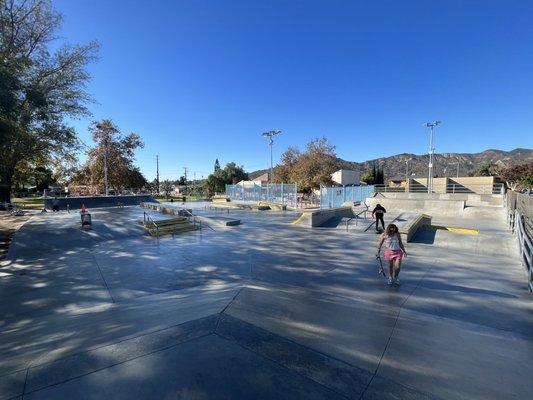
<point>431,126</point>
<point>270,135</point>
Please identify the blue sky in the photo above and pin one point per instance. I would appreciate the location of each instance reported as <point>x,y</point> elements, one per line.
<point>200,80</point>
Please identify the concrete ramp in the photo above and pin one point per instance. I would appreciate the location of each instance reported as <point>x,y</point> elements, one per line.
<point>317,218</point>
<point>409,223</point>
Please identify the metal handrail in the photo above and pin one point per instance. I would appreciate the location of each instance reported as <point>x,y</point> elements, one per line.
<point>356,217</point>
<point>147,218</point>
<point>525,245</point>
<point>450,188</point>
<point>190,214</point>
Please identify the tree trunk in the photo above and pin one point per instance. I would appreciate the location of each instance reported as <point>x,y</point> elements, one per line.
<point>6,178</point>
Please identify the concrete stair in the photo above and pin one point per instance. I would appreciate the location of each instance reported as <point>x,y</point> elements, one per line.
<point>169,226</point>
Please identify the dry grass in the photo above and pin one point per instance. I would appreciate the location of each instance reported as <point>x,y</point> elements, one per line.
<point>8,226</point>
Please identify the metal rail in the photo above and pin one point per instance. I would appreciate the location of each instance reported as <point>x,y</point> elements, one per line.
<point>357,217</point>
<point>525,245</point>
<point>148,220</point>
<point>450,188</point>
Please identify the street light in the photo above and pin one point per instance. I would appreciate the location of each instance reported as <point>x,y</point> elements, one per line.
<point>407,174</point>
<point>270,135</point>
<point>431,126</point>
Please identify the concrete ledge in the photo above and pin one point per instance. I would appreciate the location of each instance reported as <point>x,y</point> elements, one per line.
<point>273,206</point>
<point>220,199</point>
<point>218,221</point>
<point>430,206</point>
<point>411,225</point>
<point>320,217</point>
<point>75,203</point>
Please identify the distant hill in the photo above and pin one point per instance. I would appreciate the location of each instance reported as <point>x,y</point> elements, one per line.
<point>394,166</point>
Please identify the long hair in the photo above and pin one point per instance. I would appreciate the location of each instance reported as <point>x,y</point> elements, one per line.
<point>391,229</point>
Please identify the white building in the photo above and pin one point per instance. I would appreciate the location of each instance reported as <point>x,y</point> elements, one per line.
<point>346,177</point>
<point>261,179</point>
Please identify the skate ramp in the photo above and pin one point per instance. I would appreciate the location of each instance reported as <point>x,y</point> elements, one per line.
<point>316,218</point>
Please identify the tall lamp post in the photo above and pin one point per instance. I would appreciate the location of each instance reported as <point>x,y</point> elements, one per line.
<point>407,174</point>
<point>270,135</point>
<point>431,126</point>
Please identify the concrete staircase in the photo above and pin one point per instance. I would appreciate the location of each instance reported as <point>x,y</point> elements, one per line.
<point>168,226</point>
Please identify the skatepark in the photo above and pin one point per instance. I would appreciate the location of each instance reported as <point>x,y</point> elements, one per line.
<point>266,308</point>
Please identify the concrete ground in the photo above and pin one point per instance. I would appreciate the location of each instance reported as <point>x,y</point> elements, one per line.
<point>264,310</point>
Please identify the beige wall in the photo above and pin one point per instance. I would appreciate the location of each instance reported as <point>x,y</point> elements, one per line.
<point>474,184</point>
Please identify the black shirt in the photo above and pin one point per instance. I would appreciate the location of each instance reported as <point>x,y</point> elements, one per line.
<point>380,210</point>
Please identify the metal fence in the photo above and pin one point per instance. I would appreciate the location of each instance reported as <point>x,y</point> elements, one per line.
<point>337,195</point>
<point>283,193</point>
<point>451,188</point>
<point>520,220</point>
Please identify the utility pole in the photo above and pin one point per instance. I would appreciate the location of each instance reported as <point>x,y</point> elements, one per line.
<point>431,126</point>
<point>407,174</point>
<point>457,170</point>
<point>106,187</point>
<point>270,135</point>
<point>157,166</point>
<point>185,175</point>
<point>194,182</point>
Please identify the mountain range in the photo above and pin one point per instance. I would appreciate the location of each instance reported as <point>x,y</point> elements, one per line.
<point>445,164</point>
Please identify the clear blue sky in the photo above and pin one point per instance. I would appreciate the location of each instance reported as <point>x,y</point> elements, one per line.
<point>200,80</point>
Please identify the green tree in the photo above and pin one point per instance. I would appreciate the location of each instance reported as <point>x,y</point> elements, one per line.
<point>231,174</point>
<point>166,185</point>
<point>367,177</point>
<point>217,165</point>
<point>308,169</point>
<point>283,173</point>
<point>518,176</point>
<point>120,153</point>
<point>486,169</point>
<point>234,173</point>
<point>40,88</point>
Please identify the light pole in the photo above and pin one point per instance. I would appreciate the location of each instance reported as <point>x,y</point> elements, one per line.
<point>407,174</point>
<point>431,126</point>
<point>270,135</point>
<point>457,170</point>
<point>106,188</point>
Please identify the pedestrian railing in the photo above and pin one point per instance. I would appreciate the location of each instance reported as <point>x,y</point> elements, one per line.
<point>150,224</point>
<point>451,188</point>
<point>358,217</point>
<point>525,245</point>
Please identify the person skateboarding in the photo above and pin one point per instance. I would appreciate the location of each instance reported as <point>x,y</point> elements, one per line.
<point>394,252</point>
<point>378,212</point>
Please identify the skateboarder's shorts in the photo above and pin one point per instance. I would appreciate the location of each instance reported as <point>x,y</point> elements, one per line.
<point>393,255</point>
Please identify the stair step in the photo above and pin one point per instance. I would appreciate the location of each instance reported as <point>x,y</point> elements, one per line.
<point>167,222</point>
<point>170,229</point>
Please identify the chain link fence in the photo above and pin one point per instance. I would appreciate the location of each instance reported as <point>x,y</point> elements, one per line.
<point>337,195</point>
<point>282,193</point>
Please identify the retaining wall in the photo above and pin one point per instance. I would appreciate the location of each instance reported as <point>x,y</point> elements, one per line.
<point>471,199</point>
<point>430,206</point>
<point>75,203</point>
